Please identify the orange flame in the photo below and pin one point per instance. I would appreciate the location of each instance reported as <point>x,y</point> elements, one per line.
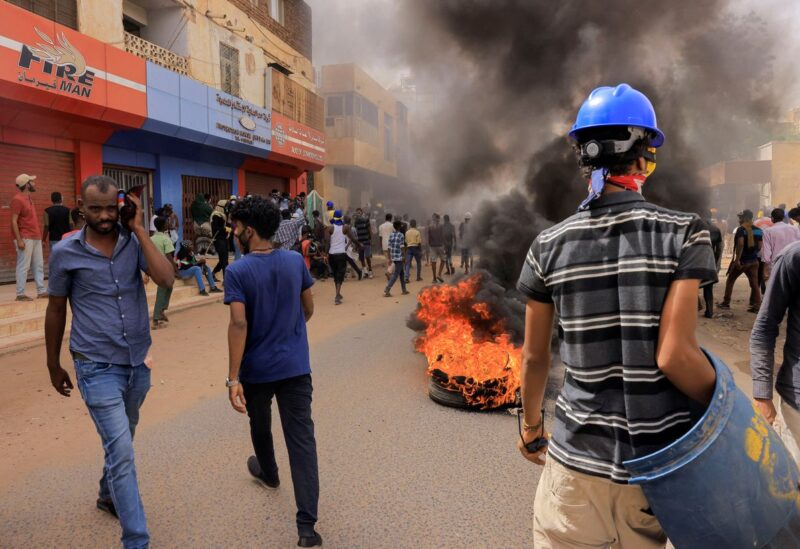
<point>483,364</point>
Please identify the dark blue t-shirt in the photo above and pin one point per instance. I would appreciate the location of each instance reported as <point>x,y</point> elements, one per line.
<point>270,285</point>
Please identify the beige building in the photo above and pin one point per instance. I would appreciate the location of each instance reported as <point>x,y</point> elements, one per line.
<point>366,131</point>
<point>771,179</point>
<point>248,48</point>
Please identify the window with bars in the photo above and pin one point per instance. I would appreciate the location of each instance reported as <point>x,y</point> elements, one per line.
<point>64,12</point>
<point>229,69</point>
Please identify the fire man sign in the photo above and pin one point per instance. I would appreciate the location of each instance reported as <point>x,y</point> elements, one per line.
<point>57,66</point>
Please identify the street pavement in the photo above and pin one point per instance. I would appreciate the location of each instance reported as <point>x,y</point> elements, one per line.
<point>396,469</point>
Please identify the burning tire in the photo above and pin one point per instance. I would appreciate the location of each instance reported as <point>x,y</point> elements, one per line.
<point>486,395</point>
<point>446,397</point>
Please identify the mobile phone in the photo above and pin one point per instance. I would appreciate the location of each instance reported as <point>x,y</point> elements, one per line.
<point>127,209</point>
<point>536,445</point>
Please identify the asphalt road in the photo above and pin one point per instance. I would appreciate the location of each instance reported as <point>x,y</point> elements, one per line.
<point>396,469</point>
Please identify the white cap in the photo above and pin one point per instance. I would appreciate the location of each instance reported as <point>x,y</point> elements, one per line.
<point>23,179</point>
<point>467,215</point>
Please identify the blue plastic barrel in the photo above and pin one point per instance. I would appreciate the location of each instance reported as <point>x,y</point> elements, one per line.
<point>729,482</point>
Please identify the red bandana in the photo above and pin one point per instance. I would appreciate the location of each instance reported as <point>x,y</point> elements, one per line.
<point>629,182</point>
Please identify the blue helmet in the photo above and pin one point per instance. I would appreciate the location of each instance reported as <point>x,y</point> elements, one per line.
<point>620,106</point>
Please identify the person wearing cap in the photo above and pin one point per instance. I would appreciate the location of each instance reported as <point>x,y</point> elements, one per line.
<point>745,261</point>
<point>27,236</point>
<point>463,237</point>
<point>337,252</point>
<point>329,207</point>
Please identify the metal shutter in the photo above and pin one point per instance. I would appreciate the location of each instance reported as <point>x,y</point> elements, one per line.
<point>54,171</point>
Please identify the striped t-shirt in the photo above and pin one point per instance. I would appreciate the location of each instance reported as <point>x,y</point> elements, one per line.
<point>607,271</point>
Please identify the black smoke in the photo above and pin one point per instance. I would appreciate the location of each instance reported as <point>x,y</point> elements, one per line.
<point>511,74</point>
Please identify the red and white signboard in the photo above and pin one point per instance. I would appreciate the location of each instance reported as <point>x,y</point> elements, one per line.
<point>297,141</point>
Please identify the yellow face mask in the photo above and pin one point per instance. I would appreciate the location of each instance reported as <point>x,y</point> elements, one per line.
<point>651,164</point>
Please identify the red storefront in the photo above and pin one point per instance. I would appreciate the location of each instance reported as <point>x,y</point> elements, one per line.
<point>62,94</point>
<point>296,150</point>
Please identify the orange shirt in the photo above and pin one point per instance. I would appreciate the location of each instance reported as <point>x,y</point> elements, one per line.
<point>28,221</point>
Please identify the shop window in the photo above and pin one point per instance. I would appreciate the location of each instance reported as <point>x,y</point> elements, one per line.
<point>335,105</point>
<point>229,69</point>
<point>64,12</point>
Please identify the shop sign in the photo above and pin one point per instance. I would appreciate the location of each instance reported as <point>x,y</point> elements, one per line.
<point>55,65</point>
<point>297,140</point>
<point>240,121</point>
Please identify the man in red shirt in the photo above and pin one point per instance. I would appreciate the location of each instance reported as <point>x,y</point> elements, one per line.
<point>27,236</point>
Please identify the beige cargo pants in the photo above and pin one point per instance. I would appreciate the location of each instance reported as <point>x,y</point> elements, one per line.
<point>573,510</point>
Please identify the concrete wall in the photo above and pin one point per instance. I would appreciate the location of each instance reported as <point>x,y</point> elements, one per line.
<point>786,173</point>
<point>101,19</point>
<point>168,27</point>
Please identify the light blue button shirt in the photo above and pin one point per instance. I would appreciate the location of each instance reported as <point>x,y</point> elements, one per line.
<point>110,322</point>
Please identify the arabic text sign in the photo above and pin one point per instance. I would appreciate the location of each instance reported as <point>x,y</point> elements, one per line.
<point>296,140</point>
<point>236,120</point>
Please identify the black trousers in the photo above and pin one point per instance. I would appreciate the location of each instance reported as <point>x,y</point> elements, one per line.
<point>294,404</point>
<point>222,256</point>
<point>708,297</point>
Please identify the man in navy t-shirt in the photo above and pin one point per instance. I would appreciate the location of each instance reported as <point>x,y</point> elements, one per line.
<point>269,293</point>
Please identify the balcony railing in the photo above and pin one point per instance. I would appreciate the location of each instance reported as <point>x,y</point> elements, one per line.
<point>156,54</point>
<point>296,102</point>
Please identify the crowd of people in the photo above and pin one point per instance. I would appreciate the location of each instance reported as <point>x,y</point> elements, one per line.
<point>626,313</point>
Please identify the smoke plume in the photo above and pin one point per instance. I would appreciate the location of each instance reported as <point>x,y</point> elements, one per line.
<point>510,75</point>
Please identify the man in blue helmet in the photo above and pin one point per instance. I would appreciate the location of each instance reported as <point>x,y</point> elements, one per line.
<point>623,276</point>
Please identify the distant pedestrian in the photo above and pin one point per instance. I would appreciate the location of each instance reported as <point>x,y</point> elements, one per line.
<point>794,215</point>
<point>173,223</point>
<point>449,233</point>
<point>318,227</point>
<point>56,220</point>
<point>288,232</point>
<point>783,294</point>
<point>190,266</point>
<point>384,231</point>
<point>715,235</point>
<point>219,231</point>
<point>27,237</point>
<point>201,215</point>
<point>464,238</point>
<point>747,246</point>
<point>396,243</point>
<point>776,238</point>
<point>78,222</point>
<point>164,245</point>
<point>413,250</point>
<point>99,272</point>
<point>364,232</point>
<point>436,243</point>
<point>269,293</point>
<point>337,253</point>
<point>353,247</point>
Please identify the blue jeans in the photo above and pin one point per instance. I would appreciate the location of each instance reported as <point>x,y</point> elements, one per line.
<point>30,257</point>
<point>237,253</point>
<point>414,252</point>
<point>113,393</point>
<point>398,273</point>
<point>197,272</point>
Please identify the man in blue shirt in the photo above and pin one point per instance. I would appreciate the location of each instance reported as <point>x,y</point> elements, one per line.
<point>269,293</point>
<point>99,271</point>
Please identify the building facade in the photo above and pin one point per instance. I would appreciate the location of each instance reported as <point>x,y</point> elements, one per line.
<point>367,137</point>
<point>181,97</point>
<point>772,178</point>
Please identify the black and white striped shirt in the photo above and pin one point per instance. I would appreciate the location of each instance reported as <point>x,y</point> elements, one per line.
<point>607,271</point>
